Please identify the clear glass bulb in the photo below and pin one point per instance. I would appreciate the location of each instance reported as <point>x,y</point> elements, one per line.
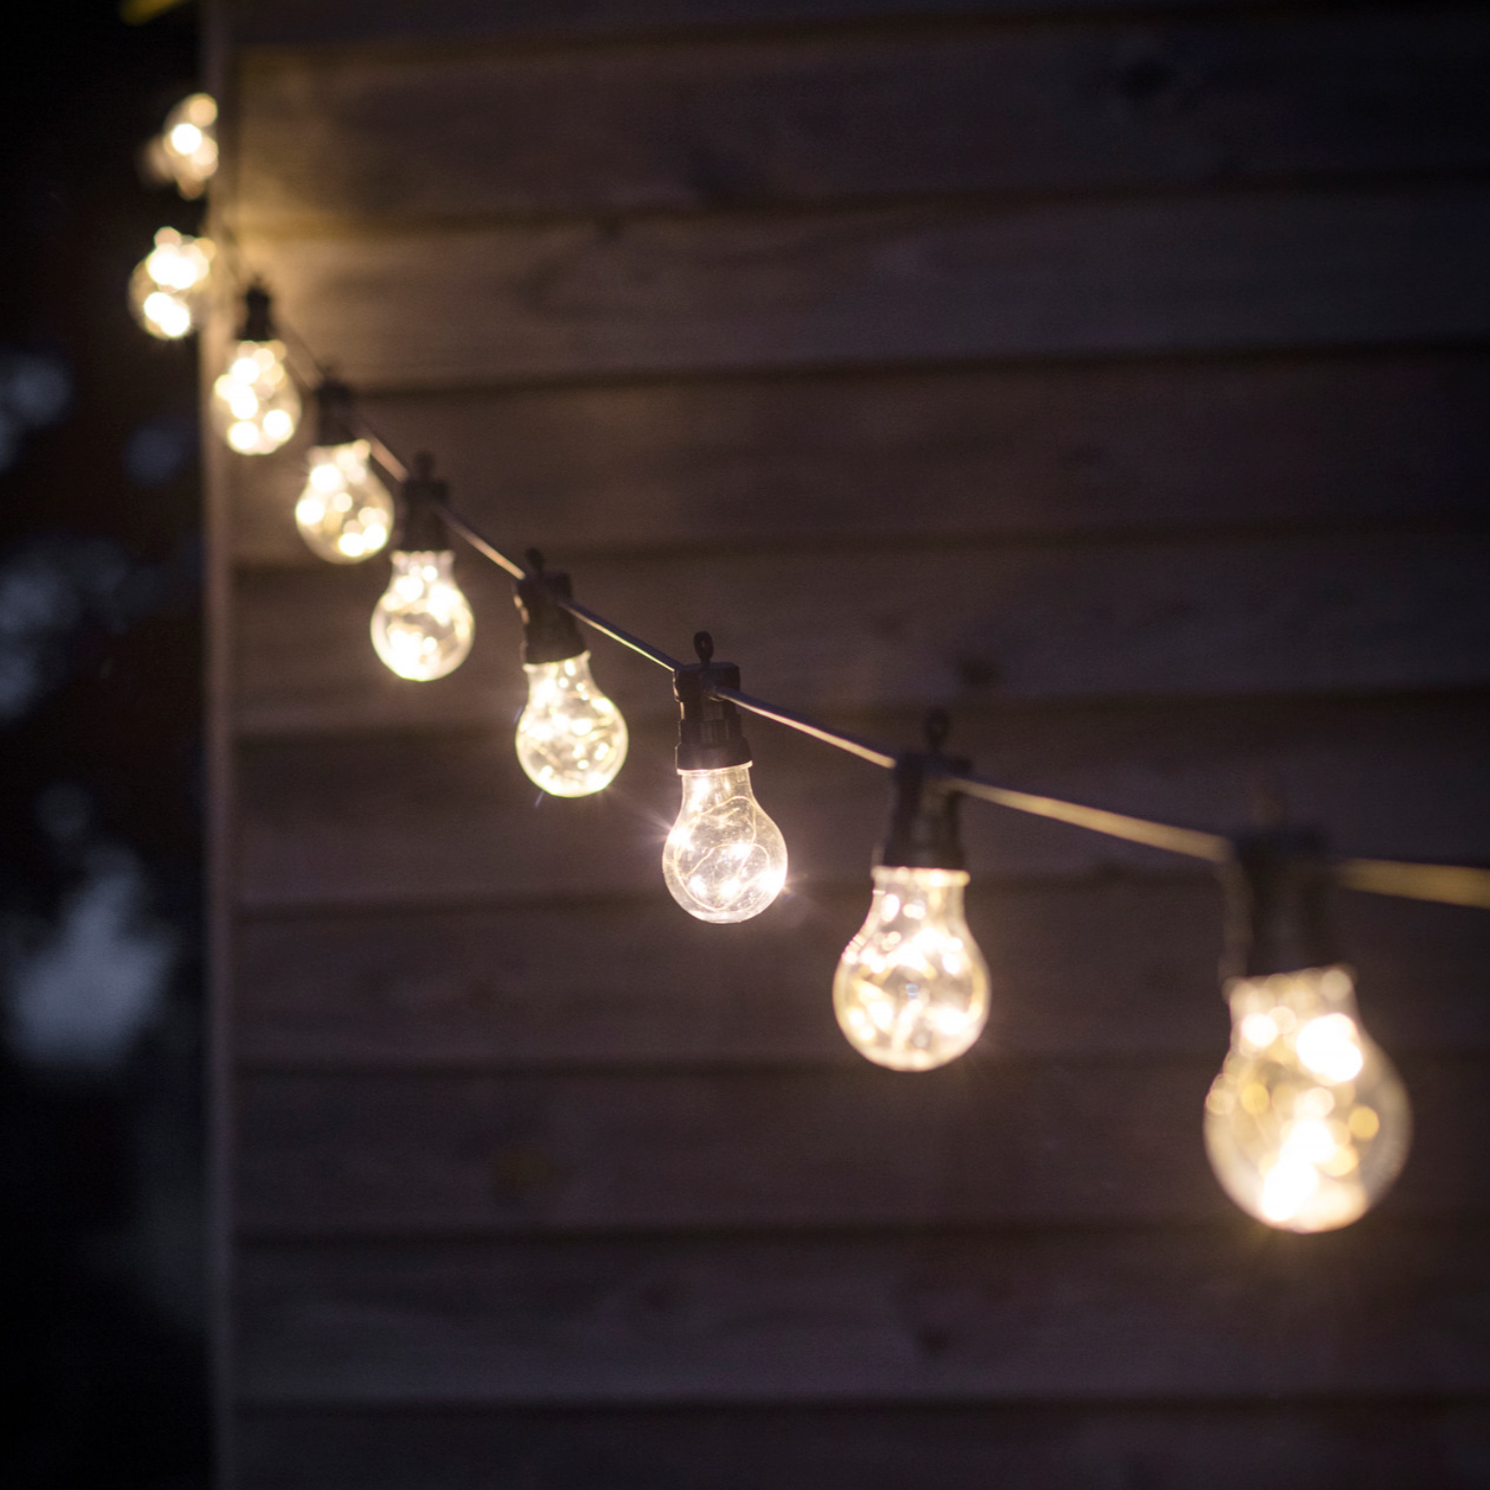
<point>571,739</point>
<point>345,513</point>
<point>255,406</point>
<point>1308,1124</point>
<point>724,860</point>
<point>185,151</point>
<point>169,285</point>
<point>422,627</point>
<point>911,991</point>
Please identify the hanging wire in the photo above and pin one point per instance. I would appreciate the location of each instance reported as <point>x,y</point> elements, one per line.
<point>1448,884</point>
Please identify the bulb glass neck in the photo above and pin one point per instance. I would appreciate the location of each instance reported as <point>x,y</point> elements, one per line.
<point>428,566</point>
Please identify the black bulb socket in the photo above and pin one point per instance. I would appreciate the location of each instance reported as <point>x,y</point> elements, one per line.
<point>549,631</point>
<point>334,419</point>
<point>258,317</point>
<point>421,529</point>
<point>1277,921</point>
<point>710,735</point>
<point>923,831</point>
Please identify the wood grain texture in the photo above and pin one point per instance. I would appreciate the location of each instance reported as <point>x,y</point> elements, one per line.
<point>347,821</point>
<point>853,629</point>
<point>981,1142</point>
<point>336,135</point>
<point>1265,269</point>
<point>259,23</point>
<point>1232,1446</point>
<point>957,454</point>
<point>1085,1314</point>
<point>1118,966</point>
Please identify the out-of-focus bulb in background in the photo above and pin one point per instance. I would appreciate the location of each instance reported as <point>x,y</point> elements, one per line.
<point>169,284</point>
<point>345,514</point>
<point>911,991</point>
<point>422,627</point>
<point>724,860</point>
<point>571,739</point>
<point>185,150</point>
<point>1308,1124</point>
<point>255,405</point>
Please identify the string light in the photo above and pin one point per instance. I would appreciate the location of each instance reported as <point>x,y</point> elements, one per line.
<point>911,990</point>
<point>1308,1124</point>
<point>422,628</point>
<point>255,406</point>
<point>344,513</point>
<point>571,739</point>
<point>185,150</point>
<point>724,859</point>
<point>169,285</point>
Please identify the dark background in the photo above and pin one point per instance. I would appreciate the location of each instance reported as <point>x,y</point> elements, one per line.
<point>100,715</point>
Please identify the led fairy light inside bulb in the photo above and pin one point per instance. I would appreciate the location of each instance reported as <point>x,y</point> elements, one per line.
<point>255,406</point>
<point>344,513</point>
<point>571,739</point>
<point>1308,1124</point>
<point>911,990</point>
<point>724,859</point>
<point>169,285</point>
<point>422,628</point>
<point>185,150</point>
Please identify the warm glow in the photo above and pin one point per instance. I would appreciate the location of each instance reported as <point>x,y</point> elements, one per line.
<point>168,286</point>
<point>255,406</point>
<point>186,150</point>
<point>422,627</point>
<point>1308,1124</point>
<point>345,513</point>
<point>724,860</point>
<point>911,991</point>
<point>571,739</point>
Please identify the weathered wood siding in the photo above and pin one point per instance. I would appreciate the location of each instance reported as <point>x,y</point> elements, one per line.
<point>1114,374</point>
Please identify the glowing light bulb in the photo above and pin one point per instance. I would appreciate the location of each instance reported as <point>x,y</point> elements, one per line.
<point>911,991</point>
<point>422,627</point>
<point>255,406</point>
<point>185,151</point>
<point>571,739</point>
<point>724,860</point>
<point>345,514</point>
<point>1308,1124</point>
<point>169,285</point>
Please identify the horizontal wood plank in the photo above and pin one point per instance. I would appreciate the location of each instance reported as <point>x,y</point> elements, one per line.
<point>1120,966</point>
<point>1266,269</point>
<point>964,453</point>
<point>260,23</point>
<point>981,1142</point>
<point>1080,1315</point>
<point>363,821</point>
<point>328,135</point>
<point>1037,1446</point>
<point>856,630</point>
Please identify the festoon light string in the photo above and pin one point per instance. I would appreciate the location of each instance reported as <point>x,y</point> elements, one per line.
<point>1306,1125</point>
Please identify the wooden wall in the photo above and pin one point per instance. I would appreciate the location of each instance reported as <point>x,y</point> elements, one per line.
<point>1116,375</point>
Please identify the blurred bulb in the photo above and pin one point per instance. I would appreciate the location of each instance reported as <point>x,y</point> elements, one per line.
<point>571,739</point>
<point>169,284</point>
<point>185,151</point>
<point>422,627</point>
<point>255,407</point>
<point>345,513</point>
<point>1308,1124</point>
<point>724,860</point>
<point>911,991</point>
